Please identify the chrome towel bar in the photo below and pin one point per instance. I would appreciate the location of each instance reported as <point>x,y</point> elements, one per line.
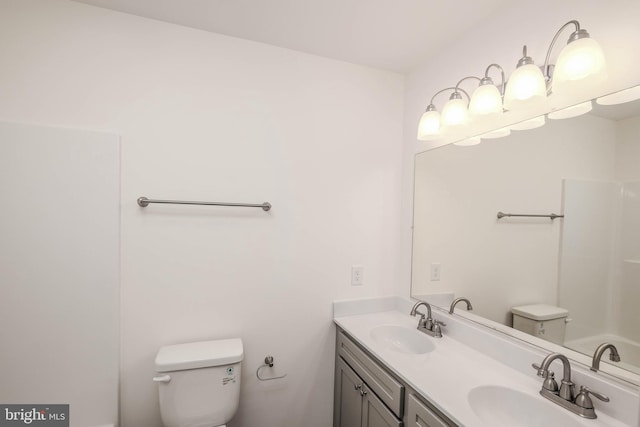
<point>552,216</point>
<point>144,202</point>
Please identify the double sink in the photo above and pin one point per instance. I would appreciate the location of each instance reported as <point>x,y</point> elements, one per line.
<point>493,404</point>
<point>472,384</point>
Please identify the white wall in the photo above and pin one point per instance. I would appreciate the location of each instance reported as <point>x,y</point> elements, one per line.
<point>59,272</point>
<point>208,117</point>
<point>612,23</point>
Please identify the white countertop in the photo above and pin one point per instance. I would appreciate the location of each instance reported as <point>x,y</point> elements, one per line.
<point>447,374</point>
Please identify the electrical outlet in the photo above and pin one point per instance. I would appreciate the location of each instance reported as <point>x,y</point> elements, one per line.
<point>435,271</point>
<point>356,275</point>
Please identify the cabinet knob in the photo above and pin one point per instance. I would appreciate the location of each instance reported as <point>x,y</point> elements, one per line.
<point>363,392</point>
<point>358,386</point>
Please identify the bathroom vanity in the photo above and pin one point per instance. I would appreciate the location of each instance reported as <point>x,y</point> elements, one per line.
<point>367,394</point>
<point>389,374</point>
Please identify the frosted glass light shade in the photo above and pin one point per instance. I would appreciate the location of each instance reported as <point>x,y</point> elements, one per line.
<point>621,97</point>
<point>526,87</point>
<point>498,133</point>
<point>455,113</point>
<point>573,111</point>
<point>429,126</point>
<point>486,100</point>
<point>536,122</point>
<point>581,61</point>
<point>475,140</point>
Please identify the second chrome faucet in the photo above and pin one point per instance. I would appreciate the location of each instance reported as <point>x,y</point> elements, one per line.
<point>566,396</point>
<point>426,324</point>
<point>457,300</point>
<point>614,356</point>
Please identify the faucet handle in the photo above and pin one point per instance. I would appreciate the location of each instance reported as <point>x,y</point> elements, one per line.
<point>541,372</point>
<point>437,331</point>
<point>584,401</point>
<point>549,378</point>
<point>422,323</point>
<point>587,391</point>
<point>428,323</point>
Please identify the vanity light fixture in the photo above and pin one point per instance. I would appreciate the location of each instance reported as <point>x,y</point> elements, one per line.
<point>498,133</point>
<point>526,86</point>
<point>455,111</point>
<point>620,97</point>
<point>469,142</point>
<point>573,111</point>
<point>581,60</point>
<point>581,63</point>
<point>431,122</point>
<point>536,122</point>
<point>429,126</point>
<point>486,100</point>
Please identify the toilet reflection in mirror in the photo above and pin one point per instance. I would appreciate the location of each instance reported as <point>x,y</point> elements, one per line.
<point>587,263</point>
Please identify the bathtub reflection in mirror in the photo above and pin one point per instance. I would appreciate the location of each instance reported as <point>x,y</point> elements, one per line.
<point>588,262</point>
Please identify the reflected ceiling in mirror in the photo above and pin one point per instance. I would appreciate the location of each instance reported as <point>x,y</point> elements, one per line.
<point>588,262</point>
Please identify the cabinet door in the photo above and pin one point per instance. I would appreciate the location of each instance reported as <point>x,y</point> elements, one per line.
<point>375,413</point>
<point>384,385</point>
<point>348,410</point>
<point>419,415</point>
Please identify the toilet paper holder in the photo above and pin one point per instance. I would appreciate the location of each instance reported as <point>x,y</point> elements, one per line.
<point>268,363</point>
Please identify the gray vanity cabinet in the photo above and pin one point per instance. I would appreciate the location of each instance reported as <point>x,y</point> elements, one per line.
<point>420,415</point>
<point>375,414</point>
<point>356,404</point>
<point>349,397</point>
<point>366,394</point>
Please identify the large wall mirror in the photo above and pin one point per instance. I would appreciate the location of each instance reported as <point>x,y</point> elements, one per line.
<point>587,262</point>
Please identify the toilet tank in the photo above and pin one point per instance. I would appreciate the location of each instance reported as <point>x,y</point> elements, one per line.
<point>199,383</point>
<point>541,320</point>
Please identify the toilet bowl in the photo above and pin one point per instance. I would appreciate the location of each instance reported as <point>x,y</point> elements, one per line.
<point>199,383</point>
<point>541,320</point>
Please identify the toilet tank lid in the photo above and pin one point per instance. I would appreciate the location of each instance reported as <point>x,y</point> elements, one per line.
<point>201,354</point>
<point>540,311</point>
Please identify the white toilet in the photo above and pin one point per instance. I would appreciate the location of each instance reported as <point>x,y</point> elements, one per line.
<point>199,383</point>
<point>541,320</point>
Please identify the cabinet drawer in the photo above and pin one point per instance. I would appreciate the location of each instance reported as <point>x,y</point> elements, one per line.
<point>420,415</point>
<point>390,391</point>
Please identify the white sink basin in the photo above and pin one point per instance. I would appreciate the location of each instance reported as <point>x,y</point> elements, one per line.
<point>503,406</point>
<point>402,339</point>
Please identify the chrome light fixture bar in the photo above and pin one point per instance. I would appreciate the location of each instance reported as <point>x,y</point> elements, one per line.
<point>580,64</point>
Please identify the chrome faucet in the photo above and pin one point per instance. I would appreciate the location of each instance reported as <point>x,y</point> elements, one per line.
<point>567,389</point>
<point>614,356</point>
<point>426,324</point>
<point>456,301</point>
<point>581,403</point>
